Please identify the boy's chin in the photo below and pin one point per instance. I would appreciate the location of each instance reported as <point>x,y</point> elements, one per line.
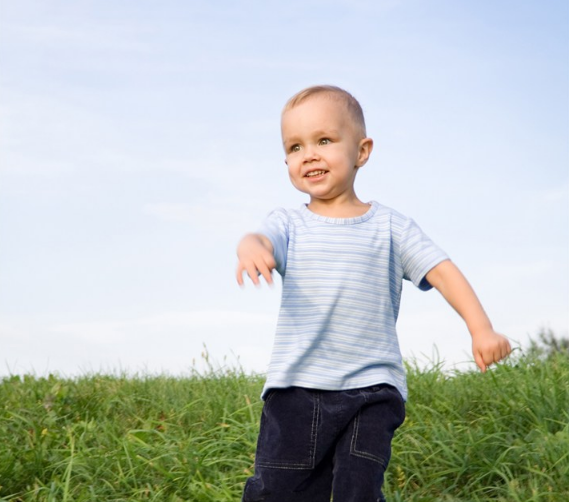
<point>302,190</point>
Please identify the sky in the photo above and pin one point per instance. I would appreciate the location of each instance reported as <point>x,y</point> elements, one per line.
<point>139,140</point>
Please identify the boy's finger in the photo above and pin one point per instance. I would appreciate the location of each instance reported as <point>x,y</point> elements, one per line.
<point>266,273</point>
<point>239,275</point>
<point>270,261</point>
<point>480,362</point>
<point>506,349</point>
<point>252,272</point>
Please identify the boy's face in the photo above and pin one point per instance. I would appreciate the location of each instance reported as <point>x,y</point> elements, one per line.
<point>324,149</point>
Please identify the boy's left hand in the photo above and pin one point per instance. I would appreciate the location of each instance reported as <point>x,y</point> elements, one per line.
<point>489,347</point>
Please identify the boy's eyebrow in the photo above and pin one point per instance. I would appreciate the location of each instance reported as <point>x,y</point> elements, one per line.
<point>326,132</point>
<point>290,139</point>
<point>316,134</point>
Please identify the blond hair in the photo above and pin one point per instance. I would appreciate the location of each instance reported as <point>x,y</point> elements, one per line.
<point>331,91</point>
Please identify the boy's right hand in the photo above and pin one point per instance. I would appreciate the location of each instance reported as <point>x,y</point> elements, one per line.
<point>255,254</point>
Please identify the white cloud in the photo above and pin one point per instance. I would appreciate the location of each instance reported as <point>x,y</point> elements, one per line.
<point>190,322</point>
<point>554,194</point>
<point>172,342</point>
<point>208,215</point>
<point>171,211</point>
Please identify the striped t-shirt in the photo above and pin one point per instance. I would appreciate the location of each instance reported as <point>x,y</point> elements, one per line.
<point>342,281</point>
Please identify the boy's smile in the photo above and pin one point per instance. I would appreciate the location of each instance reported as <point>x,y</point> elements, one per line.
<point>324,150</point>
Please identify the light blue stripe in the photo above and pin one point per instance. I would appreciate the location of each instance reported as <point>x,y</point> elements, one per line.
<point>342,282</point>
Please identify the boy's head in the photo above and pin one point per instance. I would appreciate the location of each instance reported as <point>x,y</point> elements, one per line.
<point>342,97</point>
<point>325,143</point>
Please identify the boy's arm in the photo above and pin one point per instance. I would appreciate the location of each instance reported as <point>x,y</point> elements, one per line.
<point>487,346</point>
<point>255,254</point>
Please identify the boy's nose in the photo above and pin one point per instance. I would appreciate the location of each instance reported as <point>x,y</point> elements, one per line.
<point>310,154</point>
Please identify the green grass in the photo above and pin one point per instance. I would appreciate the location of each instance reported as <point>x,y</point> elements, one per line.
<point>501,436</point>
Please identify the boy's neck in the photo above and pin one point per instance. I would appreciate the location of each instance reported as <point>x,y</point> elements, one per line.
<point>336,209</point>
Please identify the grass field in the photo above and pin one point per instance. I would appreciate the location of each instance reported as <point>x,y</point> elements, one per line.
<point>499,436</point>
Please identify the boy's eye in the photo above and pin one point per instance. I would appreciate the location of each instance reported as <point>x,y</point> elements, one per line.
<point>324,141</point>
<point>295,148</point>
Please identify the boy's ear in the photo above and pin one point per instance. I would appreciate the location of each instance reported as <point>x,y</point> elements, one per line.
<point>364,151</point>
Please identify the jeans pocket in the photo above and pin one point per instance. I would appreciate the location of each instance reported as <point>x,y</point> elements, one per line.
<point>289,429</point>
<point>375,424</point>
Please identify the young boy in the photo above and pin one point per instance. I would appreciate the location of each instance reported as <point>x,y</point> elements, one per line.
<point>336,387</point>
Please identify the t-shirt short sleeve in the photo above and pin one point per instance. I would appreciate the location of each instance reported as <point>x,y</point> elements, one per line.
<point>419,254</point>
<point>276,229</point>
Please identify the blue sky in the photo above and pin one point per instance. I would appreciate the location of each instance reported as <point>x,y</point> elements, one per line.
<point>139,140</point>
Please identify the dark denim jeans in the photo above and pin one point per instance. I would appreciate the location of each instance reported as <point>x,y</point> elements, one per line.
<point>314,444</point>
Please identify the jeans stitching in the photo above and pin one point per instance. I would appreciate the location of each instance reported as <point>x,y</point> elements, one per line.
<point>314,431</point>
<point>353,449</point>
<point>313,442</point>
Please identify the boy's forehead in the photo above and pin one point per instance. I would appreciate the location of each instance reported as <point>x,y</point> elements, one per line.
<point>334,109</point>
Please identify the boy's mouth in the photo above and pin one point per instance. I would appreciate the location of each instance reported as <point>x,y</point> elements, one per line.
<point>315,173</point>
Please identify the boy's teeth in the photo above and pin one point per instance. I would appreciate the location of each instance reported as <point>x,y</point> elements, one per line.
<point>315,173</point>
